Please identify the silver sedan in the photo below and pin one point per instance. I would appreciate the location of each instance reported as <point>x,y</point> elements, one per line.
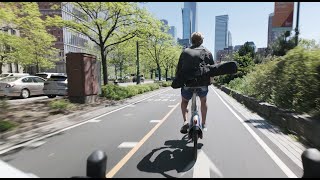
<point>23,87</point>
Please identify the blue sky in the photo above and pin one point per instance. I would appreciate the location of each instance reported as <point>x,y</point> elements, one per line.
<point>248,21</point>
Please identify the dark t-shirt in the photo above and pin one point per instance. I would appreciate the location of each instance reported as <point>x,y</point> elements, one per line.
<point>189,60</point>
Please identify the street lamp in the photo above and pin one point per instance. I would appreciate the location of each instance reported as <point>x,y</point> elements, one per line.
<point>138,68</point>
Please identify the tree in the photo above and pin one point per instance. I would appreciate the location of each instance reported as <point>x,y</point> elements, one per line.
<point>246,49</point>
<point>106,24</point>
<point>282,44</point>
<point>34,46</point>
<point>122,54</point>
<point>157,42</point>
<point>170,58</point>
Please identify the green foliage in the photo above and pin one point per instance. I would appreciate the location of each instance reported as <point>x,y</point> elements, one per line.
<point>165,83</point>
<point>61,105</point>
<point>245,63</point>
<point>115,92</point>
<point>246,49</point>
<point>6,125</point>
<point>291,82</point>
<point>282,45</point>
<point>34,45</point>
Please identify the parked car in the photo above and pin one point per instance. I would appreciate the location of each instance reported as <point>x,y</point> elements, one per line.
<point>56,85</point>
<point>134,79</point>
<point>23,87</point>
<point>12,74</point>
<point>46,76</point>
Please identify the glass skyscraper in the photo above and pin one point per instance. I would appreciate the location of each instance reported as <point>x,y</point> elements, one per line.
<point>221,34</point>
<point>189,19</point>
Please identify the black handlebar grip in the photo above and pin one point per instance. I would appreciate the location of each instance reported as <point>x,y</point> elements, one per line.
<point>311,163</point>
<point>97,164</point>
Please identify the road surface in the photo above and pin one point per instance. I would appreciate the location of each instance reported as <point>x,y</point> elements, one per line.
<point>143,140</point>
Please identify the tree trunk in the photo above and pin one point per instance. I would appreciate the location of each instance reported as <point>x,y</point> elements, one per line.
<point>151,74</point>
<point>1,67</point>
<point>171,71</point>
<point>121,69</point>
<point>115,71</point>
<point>104,66</point>
<point>167,74</point>
<point>159,70</point>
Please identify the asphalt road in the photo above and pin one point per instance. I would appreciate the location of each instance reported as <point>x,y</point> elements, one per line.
<point>143,140</point>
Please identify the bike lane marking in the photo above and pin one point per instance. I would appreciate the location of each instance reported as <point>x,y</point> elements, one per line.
<point>125,159</point>
<point>264,146</point>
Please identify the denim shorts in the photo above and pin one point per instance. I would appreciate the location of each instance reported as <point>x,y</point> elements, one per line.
<point>187,93</point>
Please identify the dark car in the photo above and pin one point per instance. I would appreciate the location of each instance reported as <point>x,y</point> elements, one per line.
<point>134,79</point>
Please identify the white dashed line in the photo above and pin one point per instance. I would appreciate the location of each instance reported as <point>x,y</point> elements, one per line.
<point>128,145</point>
<point>155,121</point>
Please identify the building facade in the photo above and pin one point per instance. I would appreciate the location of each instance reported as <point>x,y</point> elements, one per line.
<point>189,19</point>
<point>173,32</point>
<point>229,39</point>
<point>194,15</point>
<point>67,39</point>
<point>221,33</point>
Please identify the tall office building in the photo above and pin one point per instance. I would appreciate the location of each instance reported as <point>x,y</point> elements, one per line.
<point>173,32</point>
<point>221,33</point>
<point>186,23</point>
<point>193,7</point>
<point>229,39</point>
<point>189,19</point>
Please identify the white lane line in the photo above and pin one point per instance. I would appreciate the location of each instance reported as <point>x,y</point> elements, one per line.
<point>76,125</point>
<point>172,99</point>
<point>132,105</point>
<point>150,99</point>
<point>128,145</point>
<point>155,121</point>
<point>51,154</point>
<point>264,146</point>
<point>171,106</point>
<point>157,100</point>
<point>94,121</point>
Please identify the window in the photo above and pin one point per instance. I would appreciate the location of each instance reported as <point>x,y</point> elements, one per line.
<point>27,80</point>
<point>38,80</point>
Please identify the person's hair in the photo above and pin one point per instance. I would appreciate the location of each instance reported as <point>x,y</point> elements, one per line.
<point>197,38</point>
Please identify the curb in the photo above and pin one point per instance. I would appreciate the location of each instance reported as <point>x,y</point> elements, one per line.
<point>24,135</point>
<point>308,130</point>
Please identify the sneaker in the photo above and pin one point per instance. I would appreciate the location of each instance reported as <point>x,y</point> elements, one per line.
<point>184,128</point>
<point>204,127</point>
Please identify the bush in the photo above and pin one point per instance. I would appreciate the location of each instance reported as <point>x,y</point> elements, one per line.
<point>115,92</point>
<point>6,125</point>
<point>290,82</point>
<point>246,65</point>
<point>60,105</point>
<point>164,83</point>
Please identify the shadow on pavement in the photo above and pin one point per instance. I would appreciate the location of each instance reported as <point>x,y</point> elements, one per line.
<point>175,155</point>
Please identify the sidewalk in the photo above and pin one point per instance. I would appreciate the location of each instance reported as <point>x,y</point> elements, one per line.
<point>23,137</point>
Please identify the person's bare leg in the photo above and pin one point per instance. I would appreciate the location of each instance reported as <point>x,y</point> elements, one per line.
<point>204,108</point>
<point>184,110</point>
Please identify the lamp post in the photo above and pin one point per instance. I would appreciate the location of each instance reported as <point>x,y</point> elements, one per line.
<point>297,24</point>
<point>138,68</point>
